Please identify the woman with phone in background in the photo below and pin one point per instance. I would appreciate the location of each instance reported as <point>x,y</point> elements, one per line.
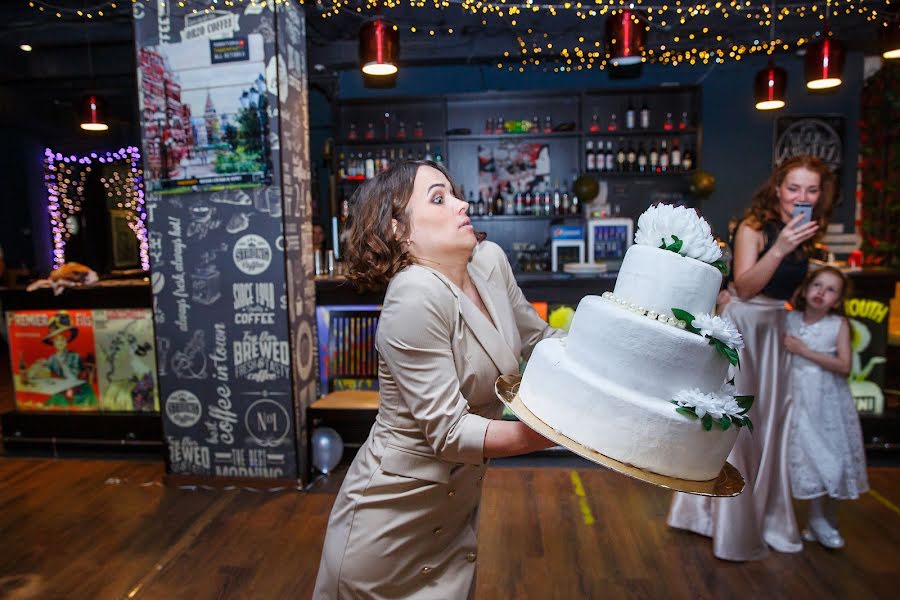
<point>771,247</point>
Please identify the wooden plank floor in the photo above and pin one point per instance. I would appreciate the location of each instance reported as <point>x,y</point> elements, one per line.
<point>73,529</point>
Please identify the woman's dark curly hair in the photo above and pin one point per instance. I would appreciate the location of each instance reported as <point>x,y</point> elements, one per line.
<point>766,207</point>
<point>373,250</point>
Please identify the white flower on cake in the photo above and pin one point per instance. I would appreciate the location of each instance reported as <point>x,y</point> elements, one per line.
<point>664,226</point>
<point>719,328</point>
<point>714,405</point>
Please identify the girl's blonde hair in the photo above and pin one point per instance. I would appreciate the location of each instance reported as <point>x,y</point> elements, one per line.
<point>799,299</point>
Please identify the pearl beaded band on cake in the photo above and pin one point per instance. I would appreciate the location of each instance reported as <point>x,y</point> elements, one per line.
<point>632,307</point>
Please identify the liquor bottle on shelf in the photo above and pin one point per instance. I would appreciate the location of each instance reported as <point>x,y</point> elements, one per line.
<point>527,204</point>
<point>654,158</point>
<point>687,161</point>
<point>594,127</point>
<point>517,207</point>
<point>565,204</point>
<point>612,125</point>
<point>642,159</point>
<point>620,157</point>
<point>535,124</point>
<point>509,199</point>
<point>470,209</point>
<point>352,134</point>
<point>342,167</point>
<point>548,203</point>
<point>599,157</point>
<point>683,123</point>
<point>482,205</point>
<point>369,166</point>
<point>663,158</point>
<point>489,126</point>
<point>489,203</point>
<point>401,131</point>
<point>419,130</point>
<point>548,124</point>
<point>499,126</point>
<point>574,206</point>
<point>675,159</point>
<point>370,132</point>
<point>609,159</point>
<point>383,162</point>
<point>499,204</point>
<point>630,115</point>
<point>428,155</point>
<point>590,159</point>
<point>557,200</point>
<point>667,124</point>
<point>631,158</point>
<point>438,157</point>
<point>645,115</point>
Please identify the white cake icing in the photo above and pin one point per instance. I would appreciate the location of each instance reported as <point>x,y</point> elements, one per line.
<point>660,280</point>
<point>610,384</point>
<point>641,354</point>
<point>631,427</point>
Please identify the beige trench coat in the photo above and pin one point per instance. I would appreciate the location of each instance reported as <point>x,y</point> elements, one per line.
<point>405,520</point>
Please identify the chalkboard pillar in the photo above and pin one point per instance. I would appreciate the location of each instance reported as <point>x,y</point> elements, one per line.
<point>223,103</point>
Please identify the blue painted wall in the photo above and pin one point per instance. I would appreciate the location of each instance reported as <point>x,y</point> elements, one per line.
<point>737,139</point>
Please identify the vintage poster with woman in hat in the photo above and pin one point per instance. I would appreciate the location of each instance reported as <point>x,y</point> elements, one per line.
<point>53,359</point>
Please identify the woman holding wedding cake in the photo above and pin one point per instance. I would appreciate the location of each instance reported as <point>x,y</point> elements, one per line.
<point>404,523</point>
<point>771,256</point>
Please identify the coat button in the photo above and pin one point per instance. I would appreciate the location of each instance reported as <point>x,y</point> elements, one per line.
<point>426,570</point>
<point>438,530</point>
<point>470,557</point>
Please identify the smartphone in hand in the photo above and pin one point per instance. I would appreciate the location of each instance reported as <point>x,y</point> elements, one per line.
<point>805,209</point>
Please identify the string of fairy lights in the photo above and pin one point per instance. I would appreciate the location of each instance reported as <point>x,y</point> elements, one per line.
<point>65,178</point>
<point>690,35</point>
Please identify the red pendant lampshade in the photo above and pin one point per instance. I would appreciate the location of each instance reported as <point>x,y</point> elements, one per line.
<point>379,47</point>
<point>93,114</point>
<point>890,40</point>
<point>770,87</point>
<point>625,38</point>
<point>824,63</point>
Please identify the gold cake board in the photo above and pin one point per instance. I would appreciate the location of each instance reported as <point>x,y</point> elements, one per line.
<point>730,482</point>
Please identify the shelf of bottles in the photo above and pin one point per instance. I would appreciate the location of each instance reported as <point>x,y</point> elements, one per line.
<point>355,167</point>
<point>644,142</point>
<point>505,204</point>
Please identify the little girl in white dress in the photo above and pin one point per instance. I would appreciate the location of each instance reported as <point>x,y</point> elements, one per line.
<point>825,449</point>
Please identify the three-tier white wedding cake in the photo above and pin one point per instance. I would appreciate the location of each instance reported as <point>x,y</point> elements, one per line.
<point>641,377</point>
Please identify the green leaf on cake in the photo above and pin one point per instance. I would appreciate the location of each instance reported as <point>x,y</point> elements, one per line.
<point>688,318</point>
<point>724,423</point>
<point>745,402</point>
<point>707,422</point>
<point>726,351</point>
<point>674,246</point>
<point>721,266</point>
<point>686,412</point>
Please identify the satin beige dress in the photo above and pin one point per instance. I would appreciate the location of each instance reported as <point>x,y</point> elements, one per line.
<point>405,521</point>
<point>762,516</point>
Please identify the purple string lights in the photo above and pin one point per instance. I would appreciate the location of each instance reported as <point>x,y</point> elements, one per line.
<point>65,177</point>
